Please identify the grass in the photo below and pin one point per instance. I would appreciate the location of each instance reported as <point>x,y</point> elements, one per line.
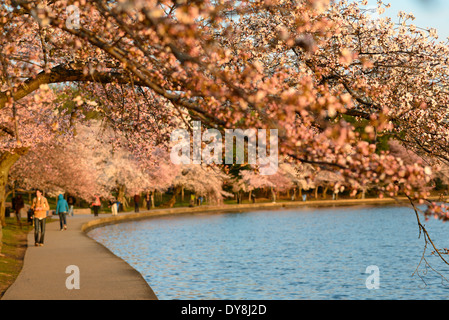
<point>14,247</point>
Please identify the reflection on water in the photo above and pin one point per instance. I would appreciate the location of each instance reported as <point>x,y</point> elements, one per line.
<point>282,255</point>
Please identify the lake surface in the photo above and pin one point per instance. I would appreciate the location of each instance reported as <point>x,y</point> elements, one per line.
<point>284,255</point>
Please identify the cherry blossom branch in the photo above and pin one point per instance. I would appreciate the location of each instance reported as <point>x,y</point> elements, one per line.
<point>58,74</point>
<point>427,240</point>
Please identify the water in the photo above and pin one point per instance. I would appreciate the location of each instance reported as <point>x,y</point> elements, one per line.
<point>283,255</point>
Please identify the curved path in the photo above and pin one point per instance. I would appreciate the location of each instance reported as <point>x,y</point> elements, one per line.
<point>102,275</point>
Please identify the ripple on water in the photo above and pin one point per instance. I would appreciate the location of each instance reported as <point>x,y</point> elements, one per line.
<point>284,255</point>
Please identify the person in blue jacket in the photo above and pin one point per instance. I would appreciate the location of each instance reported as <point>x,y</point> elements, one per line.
<point>62,208</point>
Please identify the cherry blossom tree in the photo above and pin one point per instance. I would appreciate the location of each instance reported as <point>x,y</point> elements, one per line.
<point>248,181</point>
<point>300,67</point>
<point>286,178</point>
<point>93,162</point>
<point>305,173</point>
<point>327,179</point>
<point>39,125</point>
<point>56,169</point>
<point>202,181</point>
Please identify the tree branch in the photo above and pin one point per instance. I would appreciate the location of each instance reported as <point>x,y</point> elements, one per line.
<point>58,74</point>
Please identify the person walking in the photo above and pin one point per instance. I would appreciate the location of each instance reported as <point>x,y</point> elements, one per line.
<point>17,205</point>
<point>96,205</point>
<point>62,207</point>
<point>40,207</point>
<point>71,202</point>
<point>192,200</point>
<point>136,202</point>
<point>114,206</point>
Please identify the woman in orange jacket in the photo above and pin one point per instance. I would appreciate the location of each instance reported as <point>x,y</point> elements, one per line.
<point>40,207</point>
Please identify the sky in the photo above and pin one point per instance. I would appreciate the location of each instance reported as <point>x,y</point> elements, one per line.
<point>428,13</point>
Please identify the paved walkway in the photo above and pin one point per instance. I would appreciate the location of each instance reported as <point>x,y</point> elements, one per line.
<point>102,275</point>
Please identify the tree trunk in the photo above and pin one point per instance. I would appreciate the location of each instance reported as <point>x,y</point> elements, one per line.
<point>152,200</point>
<point>121,197</point>
<point>170,203</point>
<point>325,192</point>
<point>239,197</point>
<point>3,182</point>
<point>7,159</point>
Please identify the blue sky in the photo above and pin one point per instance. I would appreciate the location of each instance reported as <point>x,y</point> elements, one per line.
<point>428,13</point>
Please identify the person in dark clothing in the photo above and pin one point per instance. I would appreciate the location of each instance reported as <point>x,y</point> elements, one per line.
<point>136,202</point>
<point>148,200</point>
<point>30,216</point>
<point>17,205</point>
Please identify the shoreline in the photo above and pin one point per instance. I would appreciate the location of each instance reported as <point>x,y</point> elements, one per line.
<point>162,212</point>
